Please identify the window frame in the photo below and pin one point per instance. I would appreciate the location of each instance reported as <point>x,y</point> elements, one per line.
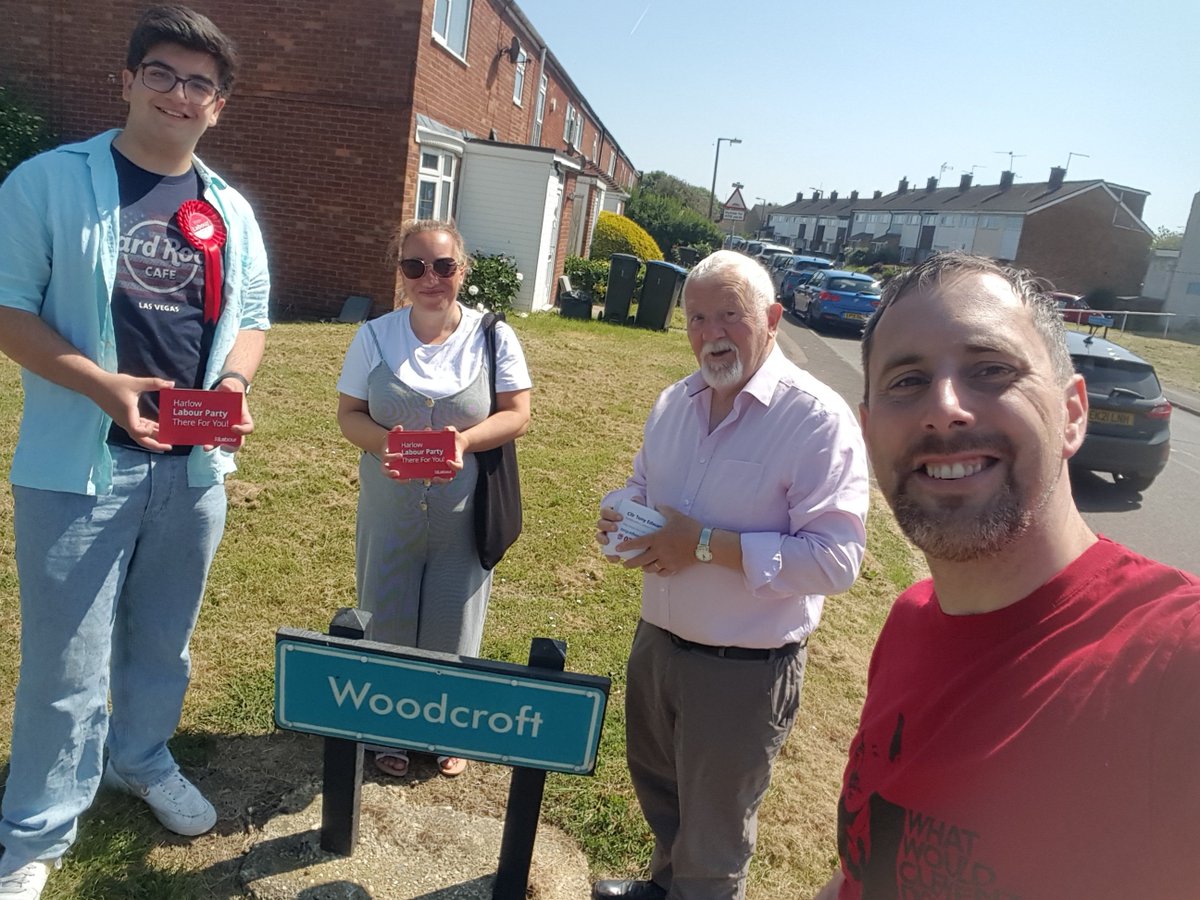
<point>519,77</point>
<point>539,110</point>
<point>442,206</point>
<point>445,40</point>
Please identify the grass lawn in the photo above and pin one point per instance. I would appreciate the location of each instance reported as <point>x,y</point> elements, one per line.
<point>288,559</point>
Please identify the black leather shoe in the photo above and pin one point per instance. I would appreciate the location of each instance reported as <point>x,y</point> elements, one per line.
<point>628,889</point>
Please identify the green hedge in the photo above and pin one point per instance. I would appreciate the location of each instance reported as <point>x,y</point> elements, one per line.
<point>589,275</point>
<point>493,282</point>
<point>22,134</point>
<point>617,234</point>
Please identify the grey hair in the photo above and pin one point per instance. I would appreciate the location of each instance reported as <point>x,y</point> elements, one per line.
<point>752,282</point>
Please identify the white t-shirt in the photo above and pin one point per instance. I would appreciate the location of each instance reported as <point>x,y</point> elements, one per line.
<point>434,370</point>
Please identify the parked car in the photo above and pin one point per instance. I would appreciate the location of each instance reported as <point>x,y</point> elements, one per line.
<point>778,264</point>
<point>1129,419</point>
<point>1073,307</point>
<point>770,251</point>
<point>752,248</point>
<point>837,297</point>
<point>798,271</point>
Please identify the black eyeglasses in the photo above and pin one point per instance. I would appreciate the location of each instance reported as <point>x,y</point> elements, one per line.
<point>162,79</point>
<point>413,268</point>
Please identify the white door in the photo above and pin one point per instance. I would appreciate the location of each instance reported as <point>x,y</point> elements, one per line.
<point>544,295</point>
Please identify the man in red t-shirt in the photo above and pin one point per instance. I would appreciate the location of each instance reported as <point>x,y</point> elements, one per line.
<point>1032,720</point>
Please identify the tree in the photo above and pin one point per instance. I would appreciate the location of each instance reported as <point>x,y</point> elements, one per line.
<point>688,195</point>
<point>674,212</point>
<point>1167,239</point>
<point>22,134</point>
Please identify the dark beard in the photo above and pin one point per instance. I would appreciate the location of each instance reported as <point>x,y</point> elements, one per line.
<point>959,535</point>
<point>951,532</point>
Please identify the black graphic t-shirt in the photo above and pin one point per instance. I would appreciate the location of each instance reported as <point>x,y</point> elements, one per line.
<point>158,298</point>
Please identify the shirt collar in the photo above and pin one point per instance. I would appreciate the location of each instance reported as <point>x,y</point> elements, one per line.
<point>762,384</point>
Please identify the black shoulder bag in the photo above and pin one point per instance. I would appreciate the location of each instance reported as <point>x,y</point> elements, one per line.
<point>498,488</point>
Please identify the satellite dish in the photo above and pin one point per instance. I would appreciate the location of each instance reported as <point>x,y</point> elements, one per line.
<point>514,50</point>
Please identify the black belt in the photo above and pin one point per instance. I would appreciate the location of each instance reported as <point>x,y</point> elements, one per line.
<point>760,653</point>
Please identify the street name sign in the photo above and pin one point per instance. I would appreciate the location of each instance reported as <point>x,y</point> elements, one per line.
<point>450,705</point>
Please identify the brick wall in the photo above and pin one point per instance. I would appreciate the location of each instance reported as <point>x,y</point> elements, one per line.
<point>319,131</point>
<point>309,135</point>
<point>1075,245</point>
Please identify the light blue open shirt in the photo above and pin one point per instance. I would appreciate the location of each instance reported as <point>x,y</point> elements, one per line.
<point>60,218</point>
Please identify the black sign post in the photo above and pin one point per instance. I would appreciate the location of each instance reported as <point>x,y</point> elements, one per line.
<point>525,797</point>
<point>343,766</point>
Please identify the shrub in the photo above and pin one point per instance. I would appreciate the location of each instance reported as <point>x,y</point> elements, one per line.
<point>589,275</point>
<point>492,283</point>
<point>617,234</point>
<point>671,223</point>
<point>22,134</point>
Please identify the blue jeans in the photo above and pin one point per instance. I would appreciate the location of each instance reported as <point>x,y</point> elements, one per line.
<point>110,585</point>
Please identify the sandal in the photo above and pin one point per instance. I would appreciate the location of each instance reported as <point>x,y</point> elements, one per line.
<point>392,762</point>
<point>451,766</point>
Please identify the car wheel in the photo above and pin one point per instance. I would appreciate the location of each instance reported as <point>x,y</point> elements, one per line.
<point>1137,483</point>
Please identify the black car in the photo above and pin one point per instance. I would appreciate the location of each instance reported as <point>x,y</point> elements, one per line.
<point>1129,419</point>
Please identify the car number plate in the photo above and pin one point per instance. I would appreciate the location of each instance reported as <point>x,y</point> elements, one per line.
<point>850,315</point>
<point>1108,417</point>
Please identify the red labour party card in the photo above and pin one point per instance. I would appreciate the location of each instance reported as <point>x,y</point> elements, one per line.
<point>423,454</point>
<point>198,417</point>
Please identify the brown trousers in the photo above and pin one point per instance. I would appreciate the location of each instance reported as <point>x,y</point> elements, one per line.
<point>702,733</point>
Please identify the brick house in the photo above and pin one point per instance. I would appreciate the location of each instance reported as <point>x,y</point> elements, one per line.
<point>1081,235</point>
<point>348,118</point>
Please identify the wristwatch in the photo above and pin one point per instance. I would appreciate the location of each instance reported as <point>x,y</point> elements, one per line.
<point>703,553</point>
<point>236,376</point>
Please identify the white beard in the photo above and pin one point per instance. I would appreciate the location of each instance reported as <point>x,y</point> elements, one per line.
<point>723,376</point>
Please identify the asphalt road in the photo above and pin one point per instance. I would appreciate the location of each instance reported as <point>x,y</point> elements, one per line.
<point>1158,523</point>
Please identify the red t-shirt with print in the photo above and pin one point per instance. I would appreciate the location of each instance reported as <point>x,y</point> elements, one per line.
<point>1050,749</point>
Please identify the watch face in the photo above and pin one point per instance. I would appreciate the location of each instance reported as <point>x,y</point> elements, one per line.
<point>703,554</point>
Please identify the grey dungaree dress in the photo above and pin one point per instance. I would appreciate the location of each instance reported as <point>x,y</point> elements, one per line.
<point>418,571</point>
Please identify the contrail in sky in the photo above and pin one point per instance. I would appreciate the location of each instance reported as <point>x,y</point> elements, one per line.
<point>639,21</point>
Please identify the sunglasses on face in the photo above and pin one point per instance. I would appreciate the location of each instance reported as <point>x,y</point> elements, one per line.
<point>413,268</point>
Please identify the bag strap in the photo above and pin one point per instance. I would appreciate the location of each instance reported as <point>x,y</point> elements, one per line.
<point>489,340</point>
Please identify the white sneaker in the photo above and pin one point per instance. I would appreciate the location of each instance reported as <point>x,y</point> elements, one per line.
<point>27,882</point>
<point>175,802</point>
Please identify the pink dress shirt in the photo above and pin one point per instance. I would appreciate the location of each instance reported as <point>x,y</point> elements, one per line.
<point>787,470</point>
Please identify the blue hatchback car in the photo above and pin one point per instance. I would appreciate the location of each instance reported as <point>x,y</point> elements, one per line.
<point>837,297</point>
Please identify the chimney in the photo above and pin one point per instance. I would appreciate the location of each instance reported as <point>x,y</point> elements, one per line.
<point>1057,174</point>
<point>931,185</point>
<point>832,196</point>
<point>877,195</point>
<point>854,196</point>
<point>1006,180</point>
<point>964,183</point>
<point>903,188</point>
<point>816,195</point>
<point>799,196</point>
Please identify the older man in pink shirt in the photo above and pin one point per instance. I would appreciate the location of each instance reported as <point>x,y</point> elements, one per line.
<point>760,472</point>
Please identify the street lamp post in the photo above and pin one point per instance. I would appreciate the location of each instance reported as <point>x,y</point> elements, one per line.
<point>713,196</point>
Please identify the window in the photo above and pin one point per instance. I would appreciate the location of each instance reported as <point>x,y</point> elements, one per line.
<point>612,162</point>
<point>595,146</point>
<point>519,78</point>
<point>1193,287</point>
<point>450,21</point>
<point>577,137</point>
<point>569,124</point>
<point>435,185</point>
<point>539,112</point>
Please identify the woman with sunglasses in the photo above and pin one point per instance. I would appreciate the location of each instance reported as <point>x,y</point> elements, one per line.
<point>425,366</point>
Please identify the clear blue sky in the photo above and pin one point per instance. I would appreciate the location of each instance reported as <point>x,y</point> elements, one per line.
<point>854,96</point>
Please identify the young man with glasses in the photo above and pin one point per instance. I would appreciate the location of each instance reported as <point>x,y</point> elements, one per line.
<point>128,267</point>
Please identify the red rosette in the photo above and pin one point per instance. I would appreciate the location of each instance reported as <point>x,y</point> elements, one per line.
<point>205,230</point>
